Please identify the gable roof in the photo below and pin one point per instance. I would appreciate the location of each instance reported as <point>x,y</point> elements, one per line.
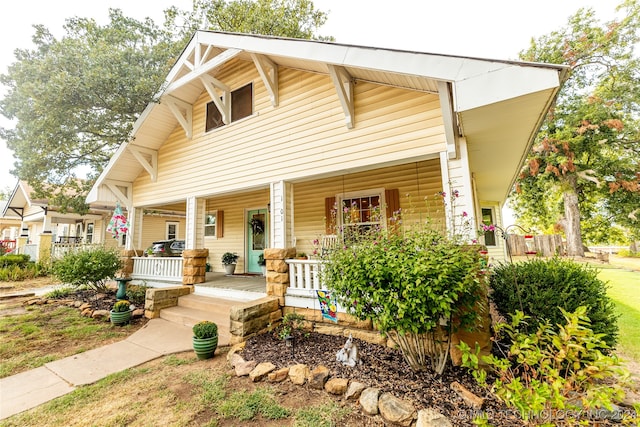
<point>473,93</point>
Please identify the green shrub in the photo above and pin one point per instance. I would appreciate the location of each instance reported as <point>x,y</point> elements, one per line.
<point>541,289</point>
<point>121,306</point>
<point>205,329</point>
<point>59,293</point>
<point>558,368</point>
<point>137,294</point>
<point>91,267</point>
<point>21,260</point>
<point>628,254</point>
<point>408,282</point>
<point>18,271</point>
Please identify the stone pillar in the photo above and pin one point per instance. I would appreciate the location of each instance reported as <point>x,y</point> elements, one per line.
<point>126,256</point>
<point>278,271</point>
<point>21,242</point>
<point>194,266</point>
<point>44,247</point>
<point>253,317</point>
<point>158,298</point>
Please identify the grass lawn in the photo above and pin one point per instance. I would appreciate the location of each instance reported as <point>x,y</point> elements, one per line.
<point>624,290</point>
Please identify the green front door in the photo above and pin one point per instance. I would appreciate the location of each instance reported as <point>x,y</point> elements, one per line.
<point>257,233</point>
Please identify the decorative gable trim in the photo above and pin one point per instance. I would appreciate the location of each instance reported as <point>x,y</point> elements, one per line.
<point>147,158</point>
<point>268,71</point>
<point>199,68</point>
<point>224,103</point>
<point>183,112</point>
<point>343,82</point>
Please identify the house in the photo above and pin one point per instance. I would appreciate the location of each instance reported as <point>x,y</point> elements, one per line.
<point>255,139</point>
<point>40,228</point>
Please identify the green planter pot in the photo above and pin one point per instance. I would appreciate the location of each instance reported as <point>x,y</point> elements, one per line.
<point>120,317</point>
<point>205,347</point>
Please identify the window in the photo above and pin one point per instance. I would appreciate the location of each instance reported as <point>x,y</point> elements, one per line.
<point>487,219</point>
<point>172,230</point>
<point>213,223</point>
<point>241,107</point>
<point>359,211</point>
<point>89,236</point>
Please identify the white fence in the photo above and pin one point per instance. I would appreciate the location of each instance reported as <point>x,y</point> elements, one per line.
<point>304,282</point>
<point>165,269</point>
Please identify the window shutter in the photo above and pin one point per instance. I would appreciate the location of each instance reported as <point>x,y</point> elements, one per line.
<point>392,199</point>
<point>330,215</point>
<point>219,224</point>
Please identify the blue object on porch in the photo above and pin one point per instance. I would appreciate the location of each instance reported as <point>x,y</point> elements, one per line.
<point>328,307</point>
<point>122,287</point>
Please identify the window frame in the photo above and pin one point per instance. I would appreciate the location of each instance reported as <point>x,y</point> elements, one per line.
<point>89,232</point>
<point>369,193</point>
<point>176,233</point>
<point>211,108</point>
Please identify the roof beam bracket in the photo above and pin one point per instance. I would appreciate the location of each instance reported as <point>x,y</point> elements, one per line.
<point>223,103</point>
<point>344,83</point>
<point>183,112</point>
<point>148,158</point>
<point>201,67</point>
<point>122,190</point>
<point>268,71</point>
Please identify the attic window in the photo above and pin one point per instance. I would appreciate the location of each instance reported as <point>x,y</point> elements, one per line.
<point>241,107</point>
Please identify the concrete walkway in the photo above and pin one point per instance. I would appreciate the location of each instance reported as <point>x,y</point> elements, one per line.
<point>29,389</point>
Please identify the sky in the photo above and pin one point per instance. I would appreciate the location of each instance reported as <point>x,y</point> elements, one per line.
<point>495,29</point>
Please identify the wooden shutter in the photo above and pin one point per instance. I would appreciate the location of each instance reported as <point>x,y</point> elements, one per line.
<point>392,199</point>
<point>330,215</point>
<point>219,224</point>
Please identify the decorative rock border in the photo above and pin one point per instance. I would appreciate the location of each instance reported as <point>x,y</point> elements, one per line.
<point>85,308</point>
<point>372,401</point>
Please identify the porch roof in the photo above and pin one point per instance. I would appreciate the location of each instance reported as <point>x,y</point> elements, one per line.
<point>498,106</point>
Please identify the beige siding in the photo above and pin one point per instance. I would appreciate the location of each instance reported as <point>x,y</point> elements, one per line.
<point>234,225</point>
<point>418,183</point>
<point>304,136</point>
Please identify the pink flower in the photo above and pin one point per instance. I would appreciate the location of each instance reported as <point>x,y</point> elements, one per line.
<point>464,214</point>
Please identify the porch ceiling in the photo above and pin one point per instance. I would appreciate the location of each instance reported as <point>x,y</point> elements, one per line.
<point>482,90</point>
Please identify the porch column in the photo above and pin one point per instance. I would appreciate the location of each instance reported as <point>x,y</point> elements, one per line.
<point>281,204</point>
<point>46,224</point>
<point>456,179</point>
<point>194,233</point>
<point>44,247</point>
<point>134,235</point>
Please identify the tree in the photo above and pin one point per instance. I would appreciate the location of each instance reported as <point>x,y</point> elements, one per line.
<point>75,99</point>
<point>586,154</point>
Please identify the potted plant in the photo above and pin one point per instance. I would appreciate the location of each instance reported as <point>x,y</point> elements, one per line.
<point>120,314</point>
<point>263,264</point>
<point>205,339</point>
<point>229,260</point>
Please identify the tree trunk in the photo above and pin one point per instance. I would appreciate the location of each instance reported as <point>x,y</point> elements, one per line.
<point>572,220</point>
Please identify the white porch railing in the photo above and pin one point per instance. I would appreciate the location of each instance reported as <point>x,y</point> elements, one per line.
<point>31,250</point>
<point>58,250</point>
<point>304,282</point>
<point>165,269</point>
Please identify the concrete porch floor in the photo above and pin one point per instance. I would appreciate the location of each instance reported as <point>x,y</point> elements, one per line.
<point>239,286</point>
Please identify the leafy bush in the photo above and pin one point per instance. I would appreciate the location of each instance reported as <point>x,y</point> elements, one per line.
<point>229,258</point>
<point>408,282</point>
<point>205,329</point>
<point>16,271</point>
<point>290,323</point>
<point>121,306</point>
<point>137,294</point>
<point>90,267</point>
<point>541,289</point>
<point>627,253</point>
<point>549,369</point>
<point>58,293</point>
<point>20,260</point>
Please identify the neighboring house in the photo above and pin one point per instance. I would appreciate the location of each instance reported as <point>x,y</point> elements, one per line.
<point>254,131</point>
<point>36,217</point>
<point>9,230</point>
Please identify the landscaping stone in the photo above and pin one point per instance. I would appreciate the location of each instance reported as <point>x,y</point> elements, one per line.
<point>369,400</point>
<point>278,376</point>
<point>337,386</point>
<point>245,368</point>
<point>396,411</point>
<point>354,390</point>
<point>298,373</point>
<point>100,314</point>
<point>319,377</point>
<point>261,371</point>
<point>469,398</point>
<point>235,360</point>
<point>431,418</point>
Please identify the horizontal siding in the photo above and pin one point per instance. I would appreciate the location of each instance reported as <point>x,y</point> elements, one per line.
<point>155,228</point>
<point>304,136</point>
<point>418,183</point>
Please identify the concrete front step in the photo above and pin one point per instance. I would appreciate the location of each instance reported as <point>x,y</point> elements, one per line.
<point>192,309</point>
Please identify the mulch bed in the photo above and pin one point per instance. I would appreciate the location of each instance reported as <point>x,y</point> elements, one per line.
<point>386,369</point>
